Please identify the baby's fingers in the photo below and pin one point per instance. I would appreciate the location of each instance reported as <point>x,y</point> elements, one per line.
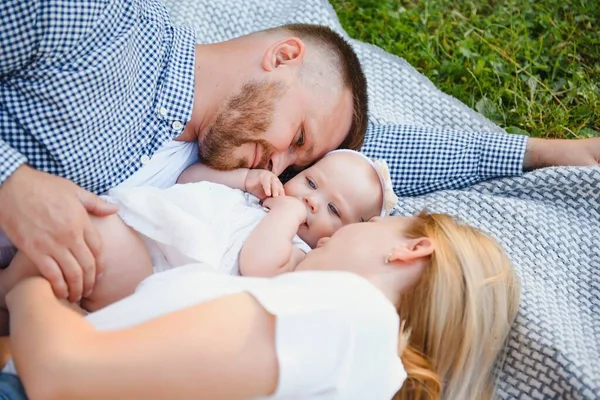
<point>277,187</point>
<point>266,185</point>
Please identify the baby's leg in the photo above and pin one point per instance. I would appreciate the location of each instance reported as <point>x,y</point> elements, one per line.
<point>126,259</point>
<point>127,263</point>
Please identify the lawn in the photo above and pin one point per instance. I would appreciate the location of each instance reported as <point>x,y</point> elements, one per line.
<point>528,66</point>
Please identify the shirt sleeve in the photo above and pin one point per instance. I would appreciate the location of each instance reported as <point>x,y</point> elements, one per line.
<point>423,160</point>
<point>18,34</point>
<point>336,337</point>
<point>10,159</point>
<point>18,42</point>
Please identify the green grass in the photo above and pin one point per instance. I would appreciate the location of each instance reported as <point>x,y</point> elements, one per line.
<point>530,66</point>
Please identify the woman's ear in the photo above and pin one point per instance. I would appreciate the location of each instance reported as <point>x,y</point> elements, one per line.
<point>412,250</point>
<point>286,52</point>
<point>321,242</point>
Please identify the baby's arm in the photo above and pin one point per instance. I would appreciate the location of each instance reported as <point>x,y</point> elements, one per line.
<point>269,251</point>
<point>199,172</point>
<point>259,182</point>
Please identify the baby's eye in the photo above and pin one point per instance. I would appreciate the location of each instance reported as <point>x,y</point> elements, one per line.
<point>311,183</point>
<point>333,210</point>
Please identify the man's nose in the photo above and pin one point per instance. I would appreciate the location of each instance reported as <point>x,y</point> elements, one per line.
<point>311,203</point>
<point>280,161</point>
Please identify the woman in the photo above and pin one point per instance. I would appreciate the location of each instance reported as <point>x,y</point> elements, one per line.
<point>329,330</point>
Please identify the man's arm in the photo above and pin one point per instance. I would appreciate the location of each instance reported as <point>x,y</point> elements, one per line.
<point>19,36</point>
<point>10,160</point>
<point>18,41</point>
<point>423,160</point>
<point>269,251</point>
<point>542,153</point>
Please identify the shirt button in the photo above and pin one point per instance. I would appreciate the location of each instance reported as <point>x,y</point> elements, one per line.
<point>176,125</point>
<point>162,111</point>
<point>145,159</point>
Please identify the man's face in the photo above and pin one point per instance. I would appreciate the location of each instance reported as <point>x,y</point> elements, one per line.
<point>270,125</point>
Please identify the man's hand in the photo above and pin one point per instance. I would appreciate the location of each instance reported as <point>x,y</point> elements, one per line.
<point>46,217</point>
<point>542,153</point>
<point>263,183</point>
<point>290,206</point>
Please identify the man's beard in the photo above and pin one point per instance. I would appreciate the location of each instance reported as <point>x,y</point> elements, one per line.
<point>244,119</point>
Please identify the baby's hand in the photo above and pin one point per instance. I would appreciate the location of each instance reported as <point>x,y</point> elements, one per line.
<point>263,183</point>
<point>290,206</point>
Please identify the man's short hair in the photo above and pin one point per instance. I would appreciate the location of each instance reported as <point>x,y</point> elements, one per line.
<point>351,73</point>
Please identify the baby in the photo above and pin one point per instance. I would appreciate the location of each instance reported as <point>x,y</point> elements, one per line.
<point>221,225</point>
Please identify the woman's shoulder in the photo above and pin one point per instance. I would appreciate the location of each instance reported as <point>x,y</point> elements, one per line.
<point>321,290</point>
<point>317,292</point>
<point>344,322</point>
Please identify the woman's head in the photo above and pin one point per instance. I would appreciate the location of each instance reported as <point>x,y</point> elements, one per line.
<point>455,291</point>
<point>342,188</point>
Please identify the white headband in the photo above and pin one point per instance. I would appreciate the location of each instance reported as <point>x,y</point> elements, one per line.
<point>383,172</point>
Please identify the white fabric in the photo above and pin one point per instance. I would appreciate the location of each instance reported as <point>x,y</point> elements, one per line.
<point>194,222</point>
<point>165,166</point>
<point>336,334</point>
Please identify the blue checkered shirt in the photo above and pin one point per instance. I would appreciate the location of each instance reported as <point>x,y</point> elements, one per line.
<point>89,90</point>
<point>423,160</point>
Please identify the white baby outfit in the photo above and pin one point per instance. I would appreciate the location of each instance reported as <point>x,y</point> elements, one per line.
<point>194,222</point>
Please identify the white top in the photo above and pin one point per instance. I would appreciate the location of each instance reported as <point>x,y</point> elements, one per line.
<point>165,166</point>
<point>336,335</point>
<point>194,222</point>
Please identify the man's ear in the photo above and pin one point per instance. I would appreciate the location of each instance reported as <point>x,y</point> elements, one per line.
<point>412,250</point>
<point>286,52</point>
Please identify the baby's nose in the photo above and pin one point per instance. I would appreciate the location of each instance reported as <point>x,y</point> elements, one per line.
<point>311,204</point>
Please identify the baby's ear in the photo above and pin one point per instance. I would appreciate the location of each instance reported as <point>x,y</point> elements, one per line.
<point>412,250</point>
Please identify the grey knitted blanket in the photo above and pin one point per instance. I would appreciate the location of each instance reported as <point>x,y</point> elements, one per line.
<point>548,221</point>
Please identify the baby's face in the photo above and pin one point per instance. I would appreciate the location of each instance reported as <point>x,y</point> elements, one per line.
<point>338,190</point>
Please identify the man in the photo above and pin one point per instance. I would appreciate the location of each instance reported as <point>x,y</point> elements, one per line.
<point>92,93</point>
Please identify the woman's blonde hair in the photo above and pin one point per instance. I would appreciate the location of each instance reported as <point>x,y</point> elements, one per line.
<point>457,317</point>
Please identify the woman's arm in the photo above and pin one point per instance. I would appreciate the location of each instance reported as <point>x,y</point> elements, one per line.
<point>220,349</point>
